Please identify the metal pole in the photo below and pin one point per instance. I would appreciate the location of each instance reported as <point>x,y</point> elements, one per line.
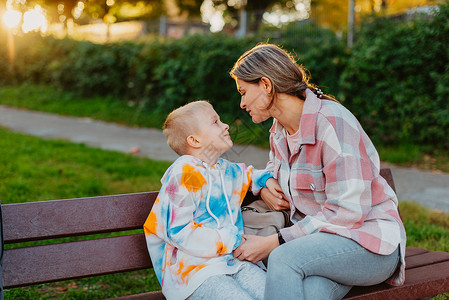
<point>350,23</point>
<point>243,20</point>
<point>163,26</point>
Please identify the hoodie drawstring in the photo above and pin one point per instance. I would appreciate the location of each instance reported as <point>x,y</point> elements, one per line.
<point>226,197</point>
<point>223,190</point>
<point>208,198</point>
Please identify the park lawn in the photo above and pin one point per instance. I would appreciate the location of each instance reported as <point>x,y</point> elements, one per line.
<point>35,169</point>
<point>132,113</point>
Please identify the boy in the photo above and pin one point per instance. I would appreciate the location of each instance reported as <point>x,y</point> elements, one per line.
<point>196,221</point>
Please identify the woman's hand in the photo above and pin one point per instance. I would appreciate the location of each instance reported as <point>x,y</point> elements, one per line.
<point>273,196</point>
<point>254,248</point>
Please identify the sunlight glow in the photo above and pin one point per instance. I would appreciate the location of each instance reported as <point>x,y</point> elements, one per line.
<point>278,16</point>
<point>34,20</point>
<point>212,15</point>
<point>78,10</point>
<point>12,18</point>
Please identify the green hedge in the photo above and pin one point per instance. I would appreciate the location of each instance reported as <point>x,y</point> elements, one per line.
<point>395,79</point>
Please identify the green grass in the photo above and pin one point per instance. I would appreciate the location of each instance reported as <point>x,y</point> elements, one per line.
<point>425,228</point>
<point>101,287</point>
<point>35,169</point>
<point>420,156</point>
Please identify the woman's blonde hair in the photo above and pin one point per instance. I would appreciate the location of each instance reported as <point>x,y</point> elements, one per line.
<point>279,66</point>
<point>181,123</point>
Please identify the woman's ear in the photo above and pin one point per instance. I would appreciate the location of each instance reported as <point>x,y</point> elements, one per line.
<point>193,142</point>
<point>266,84</point>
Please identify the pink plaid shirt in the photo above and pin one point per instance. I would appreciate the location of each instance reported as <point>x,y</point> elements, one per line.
<point>333,184</point>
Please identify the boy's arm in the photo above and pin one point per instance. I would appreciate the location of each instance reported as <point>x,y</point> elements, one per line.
<point>257,179</point>
<point>274,188</point>
<point>262,182</point>
<point>179,199</point>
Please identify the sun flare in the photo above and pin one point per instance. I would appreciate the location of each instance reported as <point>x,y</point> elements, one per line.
<point>12,18</point>
<point>32,20</point>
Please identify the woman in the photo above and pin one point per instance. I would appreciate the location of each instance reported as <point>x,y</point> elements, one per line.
<point>347,230</point>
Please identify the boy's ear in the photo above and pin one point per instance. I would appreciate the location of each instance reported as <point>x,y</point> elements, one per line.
<point>193,142</point>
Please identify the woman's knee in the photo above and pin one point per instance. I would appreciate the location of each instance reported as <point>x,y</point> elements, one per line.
<point>277,256</point>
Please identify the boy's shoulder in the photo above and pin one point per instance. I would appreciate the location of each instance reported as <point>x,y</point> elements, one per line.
<point>184,164</point>
<point>228,166</point>
<point>187,159</point>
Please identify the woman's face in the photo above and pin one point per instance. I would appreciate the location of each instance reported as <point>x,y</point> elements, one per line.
<point>254,99</point>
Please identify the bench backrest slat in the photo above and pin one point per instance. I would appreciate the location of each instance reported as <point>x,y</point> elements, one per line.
<point>388,176</point>
<point>60,218</point>
<point>55,262</point>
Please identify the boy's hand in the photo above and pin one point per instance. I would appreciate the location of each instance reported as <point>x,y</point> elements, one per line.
<point>273,196</point>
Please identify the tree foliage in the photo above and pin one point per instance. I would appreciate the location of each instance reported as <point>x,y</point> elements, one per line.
<point>333,14</point>
<point>397,79</point>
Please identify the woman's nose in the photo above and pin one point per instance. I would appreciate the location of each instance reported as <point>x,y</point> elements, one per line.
<point>226,126</point>
<point>242,103</point>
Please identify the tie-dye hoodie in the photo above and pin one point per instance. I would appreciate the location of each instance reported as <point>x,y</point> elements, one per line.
<point>196,222</point>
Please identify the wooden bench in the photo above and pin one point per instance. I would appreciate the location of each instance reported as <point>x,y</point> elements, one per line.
<point>427,272</point>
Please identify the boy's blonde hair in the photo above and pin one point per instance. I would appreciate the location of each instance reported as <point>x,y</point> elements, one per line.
<point>181,123</point>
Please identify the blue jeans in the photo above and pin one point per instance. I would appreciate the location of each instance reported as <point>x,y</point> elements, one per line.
<point>324,266</point>
<point>247,284</point>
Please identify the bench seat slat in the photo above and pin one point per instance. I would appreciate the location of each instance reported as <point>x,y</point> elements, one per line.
<point>74,260</point>
<point>429,258</point>
<point>155,295</point>
<point>423,281</point>
<point>71,217</point>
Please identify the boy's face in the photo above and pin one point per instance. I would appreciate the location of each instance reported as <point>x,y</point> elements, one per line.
<point>213,134</point>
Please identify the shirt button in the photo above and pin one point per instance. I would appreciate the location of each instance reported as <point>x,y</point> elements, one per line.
<point>312,186</point>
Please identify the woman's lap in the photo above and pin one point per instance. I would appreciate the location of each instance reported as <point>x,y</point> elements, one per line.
<point>335,258</point>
